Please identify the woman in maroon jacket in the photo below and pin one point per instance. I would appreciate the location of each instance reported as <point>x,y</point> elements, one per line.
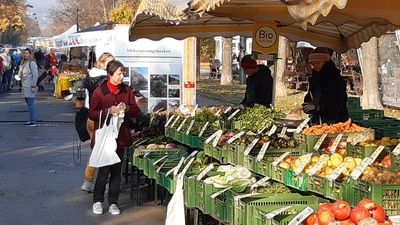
<point>115,96</point>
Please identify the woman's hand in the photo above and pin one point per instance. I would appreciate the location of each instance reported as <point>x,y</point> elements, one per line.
<point>114,110</point>
<point>122,106</point>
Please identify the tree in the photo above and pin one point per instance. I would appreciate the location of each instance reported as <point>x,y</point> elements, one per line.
<point>11,15</point>
<point>123,14</point>
<point>280,89</point>
<point>370,98</point>
<point>226,73</point>
<point>207,49</point>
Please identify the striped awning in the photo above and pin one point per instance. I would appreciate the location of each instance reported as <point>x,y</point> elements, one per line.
<point>338,24</point>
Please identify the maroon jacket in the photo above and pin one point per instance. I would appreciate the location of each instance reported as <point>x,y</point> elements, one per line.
<point>102,99</point>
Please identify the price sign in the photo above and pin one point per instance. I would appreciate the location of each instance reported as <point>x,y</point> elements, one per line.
<point>233,114</point>
<point>185,169</point>
<point>178,167</point>
<point>176,120</point>
<point>159,160</point>
<point>396,151</point>
<point>147,154</point>
<point>336,173</point>
<point>361,136</point>
<point>261,154</point>
<point>274,213</point>
<point>273,130</point>
<point>320,141</point>
<point>162,165</point>
<point>278,160</point>
<point>238,135</point>
<point>260,182</point>
<point>262,129</point>
<point>218,112</point>
<point>191,155</point>
<point>190,127</point>
<point>220,192</point>
<point>203,129</point>
<point>284,130</point>
<point>182,124</point>
<point>376,153</point>
<point>251,146</point>
<point>302,125</point>
<point>303,164</point>
<point>336,143</point>
<point>205,171</point>
<point>212,137</point>
<point>169,121</point>
<point>318,166</point>
<point>215,142</point>
<point>360,168</point>
<point>301,216</point>
<point>227,110</point>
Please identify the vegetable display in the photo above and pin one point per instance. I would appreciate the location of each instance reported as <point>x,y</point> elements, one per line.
<point>347,126</point>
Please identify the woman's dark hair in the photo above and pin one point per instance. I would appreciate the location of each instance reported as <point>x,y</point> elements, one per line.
<point>113,65</point>
<point>27,49</point>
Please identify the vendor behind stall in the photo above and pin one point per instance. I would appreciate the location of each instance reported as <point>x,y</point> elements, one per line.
<point>258,83</point>
<point>326,99</point>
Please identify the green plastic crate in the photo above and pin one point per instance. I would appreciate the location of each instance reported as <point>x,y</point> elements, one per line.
<point>336,190</point>
<point>222,206</point>
<point>387,196</point>
<point>282,219</point>
<point>366,114</point>
<point>311,140</point>
<point>277,173</point>
<point>388,131</point>
<point>298,182</point>
<point>353,102</point>
<point>359,151</point>
<point>316,184</point>
<point>229,154</point>
<point>395,161</point>
<point>262,168</point>
<point>214,152</point>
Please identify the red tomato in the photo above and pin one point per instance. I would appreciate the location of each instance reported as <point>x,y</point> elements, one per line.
<point>325,217</point>
<point>311,220</point>
<point>358,214</point>
<point>341,209</point>
<point>378,214</point>
<point>366,203</point>
<point>325,206</point>
<point>346,222</point>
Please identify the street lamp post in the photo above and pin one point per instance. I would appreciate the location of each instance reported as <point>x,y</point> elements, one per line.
<point>77,19</point>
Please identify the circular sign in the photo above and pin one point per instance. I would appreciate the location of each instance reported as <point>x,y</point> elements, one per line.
<point>266,37</point>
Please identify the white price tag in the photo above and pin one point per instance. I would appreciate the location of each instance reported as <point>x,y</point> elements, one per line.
<point>215,142</point>
<point>203,129</point>
<point>218,112</point>
<point>396,151</point>
<point>356,173</point>
<point>147,154</point>
<point>302,125</point>
<point>251,146</point>
<point>233,114</point>
<point>274,213</point>
<point>262,129</point>
<point>169,121</point>
<point>280,159</point>
<point>228,109</point>
<point>284,130</point>
<point>260,182</point>
<point>162,165</point>
<point>216,194</point>
<point>238,135</point>
<point>182,124</point>
<point>178,167</point>
<point>318,166</point>
<point>160,159</point>
<point>191,155</point>
<point>336,143</point>
<point>212,108</point>
<point>212,137</point>
<point>301,216</point>
<point>320,141</point>
<point>190,127</point>
<point>376,153</point>
<point>273,130</point>
<point>361,136</point>
<point>175,121</point>
<point>303,164</point>
<point>336,173</point>
<point>261,154</point>
<point>186,168</point>
<point>205,171</point>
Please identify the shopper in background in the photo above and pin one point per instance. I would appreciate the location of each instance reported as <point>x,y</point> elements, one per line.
<point>97,75</point>
<point>7,69</point>
<point>326,98</point>
<point>1,73</point>
<point>117,97</point>
<point>258,83</point>
<point>28,73</point>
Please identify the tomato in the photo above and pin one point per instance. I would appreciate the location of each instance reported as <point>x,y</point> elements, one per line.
<point>346,222</point>
<point>358,214</point>
<point>378,214</point>
<point>325,217</point>
<point>341,209</point>
<point>311,220</point>
<point>325,206</point>
<point>366,203</point>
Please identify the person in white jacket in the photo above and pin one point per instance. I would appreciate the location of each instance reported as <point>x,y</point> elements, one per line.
<point>97,75</point>
<point>28,73</point>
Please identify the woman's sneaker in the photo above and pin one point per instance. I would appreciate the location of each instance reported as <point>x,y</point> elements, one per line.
<point>98,208</point>
<point>87,186</point>
<point>30,124</point>
<point>114,209</point>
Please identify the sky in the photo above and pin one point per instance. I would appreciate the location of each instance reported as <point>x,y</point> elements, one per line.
<point>41,8</point>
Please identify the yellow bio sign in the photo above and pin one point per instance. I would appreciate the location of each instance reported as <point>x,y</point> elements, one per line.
<point>265,38</point>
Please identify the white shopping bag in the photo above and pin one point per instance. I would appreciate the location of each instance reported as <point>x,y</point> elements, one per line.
<point>104,150</point>
<point>176,207</point>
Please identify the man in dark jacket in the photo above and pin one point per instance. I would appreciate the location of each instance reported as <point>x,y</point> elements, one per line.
<point>326,99</point>
<point>258,83</point>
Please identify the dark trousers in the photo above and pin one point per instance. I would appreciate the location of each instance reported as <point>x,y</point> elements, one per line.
<point>114,171</point>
